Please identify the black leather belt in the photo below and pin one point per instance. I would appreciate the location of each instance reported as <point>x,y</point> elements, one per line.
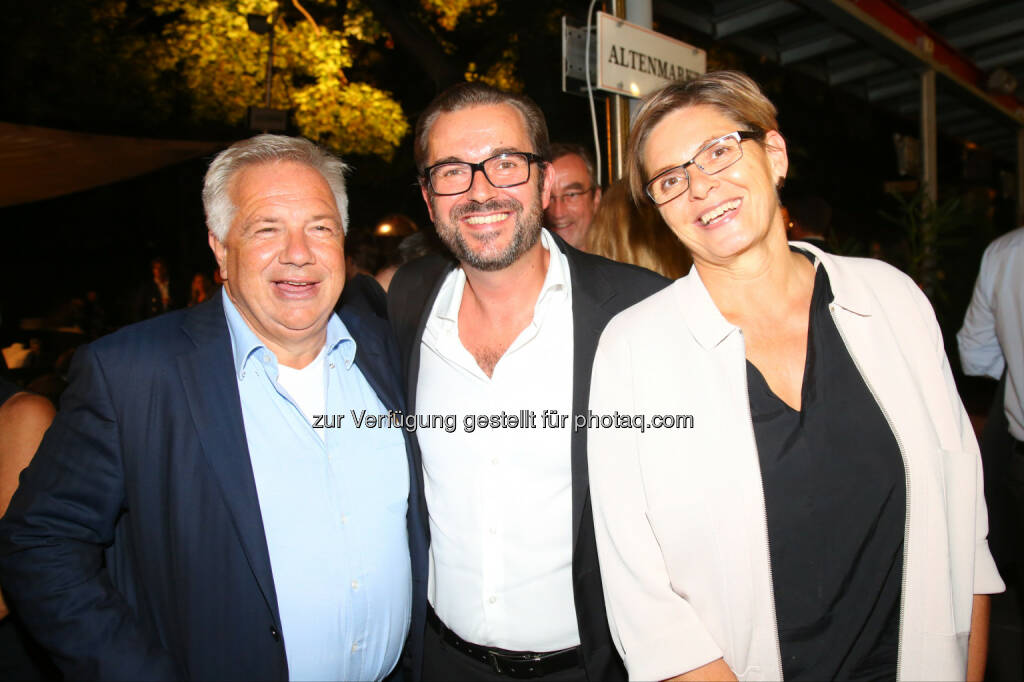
<point>516,664</point>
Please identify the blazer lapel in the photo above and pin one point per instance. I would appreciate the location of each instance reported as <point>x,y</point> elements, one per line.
<point>590,294</point>
<point>207,374</point>
<point>431,286</point>
<point>372,360</point>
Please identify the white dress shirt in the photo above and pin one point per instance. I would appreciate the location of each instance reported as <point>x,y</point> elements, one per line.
<point>500,499</point>
<point>165,291</point>
<point>992,337</point>
<point>306,387</point>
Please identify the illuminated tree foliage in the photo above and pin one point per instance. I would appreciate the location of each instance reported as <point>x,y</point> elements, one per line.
<point>351,73</point>
<point>449,11</point>
<point>223,64</point>
<point>209,47</point>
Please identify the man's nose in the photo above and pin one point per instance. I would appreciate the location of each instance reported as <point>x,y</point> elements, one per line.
<point>296,248</point>
<point>480,188</point>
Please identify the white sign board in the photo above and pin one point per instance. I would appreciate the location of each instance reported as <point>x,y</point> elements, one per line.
<point>635,61</point>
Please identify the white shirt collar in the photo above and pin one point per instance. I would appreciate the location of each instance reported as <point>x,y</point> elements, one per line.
<point>555,287</point>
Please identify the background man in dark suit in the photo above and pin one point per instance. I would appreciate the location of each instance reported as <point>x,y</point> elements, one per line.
<point>509,327</point>
<point>575,194</point>
<point>159,294</point>
<point>184,518</point>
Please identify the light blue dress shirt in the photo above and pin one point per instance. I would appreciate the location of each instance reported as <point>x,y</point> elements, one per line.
<point>992,338</point>
<point>334,512</point>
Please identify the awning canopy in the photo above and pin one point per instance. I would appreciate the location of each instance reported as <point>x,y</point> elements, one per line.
<point>877,49</point>
<point>41,163</point>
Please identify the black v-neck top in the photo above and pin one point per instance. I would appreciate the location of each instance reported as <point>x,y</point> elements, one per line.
<point>835,497</point>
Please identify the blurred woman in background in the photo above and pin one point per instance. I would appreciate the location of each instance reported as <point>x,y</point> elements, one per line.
<point>24,418</point>
<point>202,288</point>
<point>630,233</point>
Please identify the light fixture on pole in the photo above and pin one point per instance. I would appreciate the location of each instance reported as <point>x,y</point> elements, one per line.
<point>266,118</point>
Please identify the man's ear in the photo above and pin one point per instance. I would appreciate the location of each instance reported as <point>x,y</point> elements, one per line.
<point>778,159</point>
<point>425,191</point>
<point>220,252</point>
<point>597,197</point>
<point>547,183</point>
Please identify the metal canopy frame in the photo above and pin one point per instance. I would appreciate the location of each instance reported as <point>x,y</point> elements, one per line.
<point>883,51</point>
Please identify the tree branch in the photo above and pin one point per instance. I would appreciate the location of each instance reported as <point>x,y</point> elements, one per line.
<point>417,42</point>
<point>306,14</point>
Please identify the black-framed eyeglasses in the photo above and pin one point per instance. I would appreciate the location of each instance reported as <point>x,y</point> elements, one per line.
<point>573,197</point>
<point>501,170</point>
<point>714,157</point>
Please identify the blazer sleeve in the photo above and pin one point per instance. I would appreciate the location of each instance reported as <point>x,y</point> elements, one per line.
<point>986,578</point>
<point>970,532</point>
<point>657,632</point>
<point>53,537</point>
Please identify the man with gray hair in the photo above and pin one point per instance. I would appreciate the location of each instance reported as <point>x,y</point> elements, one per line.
<point>209,503</point>
<point>575,194</point>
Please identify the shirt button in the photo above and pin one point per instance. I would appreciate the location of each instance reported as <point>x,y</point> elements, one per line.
<point>494,460</point>
<point>492,599</point>
<point>344,519</point>
<point>355,647</point>
<point>355,584</point>
<point>331,365</point>
<point>494,531</point>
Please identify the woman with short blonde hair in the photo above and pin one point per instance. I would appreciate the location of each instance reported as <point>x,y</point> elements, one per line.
<point>803,497</point>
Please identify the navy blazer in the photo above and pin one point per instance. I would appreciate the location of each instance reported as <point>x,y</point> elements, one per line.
<point>134,547</point>
<point>600,289</point>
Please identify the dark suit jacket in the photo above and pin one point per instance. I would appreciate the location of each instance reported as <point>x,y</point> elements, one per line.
<point>600,289</point>
<point>365,294</point>
<point>134,548</point>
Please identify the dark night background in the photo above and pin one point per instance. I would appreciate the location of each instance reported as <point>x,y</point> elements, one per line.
<point>56,71</point>
<point>840,148</point>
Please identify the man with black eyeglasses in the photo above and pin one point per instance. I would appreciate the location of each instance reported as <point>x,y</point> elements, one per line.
<point>575,194</point>
<point>506,328</point>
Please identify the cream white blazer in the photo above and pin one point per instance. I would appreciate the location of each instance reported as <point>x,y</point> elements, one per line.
<point>679,511</point>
